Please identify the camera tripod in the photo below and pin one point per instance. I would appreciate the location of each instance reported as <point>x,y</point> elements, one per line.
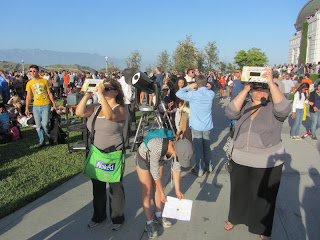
<point>143,122</point>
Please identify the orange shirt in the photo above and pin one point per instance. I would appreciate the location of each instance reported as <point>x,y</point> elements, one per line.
<point>307,80</point>
<point>66,79</point>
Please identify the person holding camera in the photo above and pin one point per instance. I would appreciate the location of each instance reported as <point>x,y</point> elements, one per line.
<point>257,155</point>
<point>108,132</point>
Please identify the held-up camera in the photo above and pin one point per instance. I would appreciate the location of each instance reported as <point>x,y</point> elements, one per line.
<point>90,84</point>
<point>253,74</point>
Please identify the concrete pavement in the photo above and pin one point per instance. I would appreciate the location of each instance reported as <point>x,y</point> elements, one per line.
<point>64,212</point>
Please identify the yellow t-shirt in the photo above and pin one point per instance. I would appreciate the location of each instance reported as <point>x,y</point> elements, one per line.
<point>39,90</point>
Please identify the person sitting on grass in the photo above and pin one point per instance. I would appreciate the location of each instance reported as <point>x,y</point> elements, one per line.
<point>20,108</point>
<point>4,123</point>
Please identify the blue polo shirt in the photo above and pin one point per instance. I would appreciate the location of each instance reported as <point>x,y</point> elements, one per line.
<point>200,102</point>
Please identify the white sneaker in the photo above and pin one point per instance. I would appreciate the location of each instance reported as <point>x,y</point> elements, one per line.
<point>293,137</point>
<point>298,138</point>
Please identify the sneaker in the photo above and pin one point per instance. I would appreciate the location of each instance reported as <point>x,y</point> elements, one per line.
<point>315,138</point>
<point>293,137</point>
<point>116,227</point>
<point>151,230</point>
<point>298,138</point>
<point>92,224</point>
<point>41,145</point>
<point>161,220</point>
<point>193,171</point>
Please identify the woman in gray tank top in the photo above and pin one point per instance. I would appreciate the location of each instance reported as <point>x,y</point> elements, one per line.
<point>107,132</point>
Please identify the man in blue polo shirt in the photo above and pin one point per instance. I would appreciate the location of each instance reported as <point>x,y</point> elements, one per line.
<point>200,99</point>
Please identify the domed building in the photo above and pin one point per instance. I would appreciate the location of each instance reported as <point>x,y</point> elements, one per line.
<point>310,13</point>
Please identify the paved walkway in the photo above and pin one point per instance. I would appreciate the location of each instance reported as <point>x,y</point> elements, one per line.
<point>64,212</point>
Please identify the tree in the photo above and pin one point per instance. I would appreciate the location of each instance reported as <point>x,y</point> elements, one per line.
<point>134,59</point>
<point>304,43</point>
<point>211,52</point>
<point>185,55</point>
<point>254,57</point>
<point>150,68</point>
<point>112,67</point>
<point>164,61</point>
<point>201,58</point>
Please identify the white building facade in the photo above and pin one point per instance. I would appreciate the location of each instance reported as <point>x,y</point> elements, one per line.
<point>313,39</point>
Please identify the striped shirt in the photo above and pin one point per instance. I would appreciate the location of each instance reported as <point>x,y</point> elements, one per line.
<point>153,155</point>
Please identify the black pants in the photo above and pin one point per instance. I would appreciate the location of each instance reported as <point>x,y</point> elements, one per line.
<point>116,201</point>
<point>130,127</point>
<point>253,197</point>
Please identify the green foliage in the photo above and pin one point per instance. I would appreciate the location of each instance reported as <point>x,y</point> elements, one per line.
<point>201,61</point>
<point>211,55</point>
<point>26,172</point>
<point>304,43</point>
<point>185,55</point>
<point>254,57</point>
<point>150,68</point>
<point>313,76</point>
<point>134,59</point>
<point>164,61</point>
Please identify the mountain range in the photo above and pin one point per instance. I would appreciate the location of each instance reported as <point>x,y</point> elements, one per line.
<point>47,57</point>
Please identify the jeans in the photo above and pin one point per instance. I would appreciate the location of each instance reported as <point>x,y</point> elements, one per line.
<point>41,117</point>
<point>202,151</point>
<point>287,95</point>
<point>315,122</point>
<point>295,128</point>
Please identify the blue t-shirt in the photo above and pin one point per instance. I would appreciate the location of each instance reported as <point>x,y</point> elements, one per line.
<point>200,107</point>
<point>3,83</point>
<point>159,79</point>
<point>238,86</point>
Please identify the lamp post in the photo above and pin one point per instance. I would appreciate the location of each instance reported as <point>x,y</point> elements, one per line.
<point>22,65</point>
<point>106,65</point>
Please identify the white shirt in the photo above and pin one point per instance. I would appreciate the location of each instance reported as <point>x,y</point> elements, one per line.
<point>288,84</point>
<point>298,103</point>
<point>127,90</point>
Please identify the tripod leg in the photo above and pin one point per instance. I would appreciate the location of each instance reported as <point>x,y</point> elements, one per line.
<point>137,133</point>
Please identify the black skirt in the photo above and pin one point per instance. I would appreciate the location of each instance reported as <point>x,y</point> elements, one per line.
<point>253,197</point>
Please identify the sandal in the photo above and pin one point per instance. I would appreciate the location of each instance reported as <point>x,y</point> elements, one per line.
<point>262,237</point>
<point>228,226</point>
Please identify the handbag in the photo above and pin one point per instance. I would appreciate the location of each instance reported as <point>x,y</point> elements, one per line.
<point>228,147</point>
<point>104,165</point>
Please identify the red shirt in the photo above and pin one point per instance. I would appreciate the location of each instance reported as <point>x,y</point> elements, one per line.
<point>66,79</point>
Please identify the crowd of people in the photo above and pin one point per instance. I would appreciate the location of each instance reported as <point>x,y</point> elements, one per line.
<point>257,112</point>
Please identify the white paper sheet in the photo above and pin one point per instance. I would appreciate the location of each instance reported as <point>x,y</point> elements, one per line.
<point>177,209</point>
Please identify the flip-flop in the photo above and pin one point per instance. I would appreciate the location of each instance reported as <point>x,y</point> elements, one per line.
<point>228,226</point>
<point>262,237</point>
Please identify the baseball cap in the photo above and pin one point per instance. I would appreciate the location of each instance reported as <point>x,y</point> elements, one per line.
<point>184,151</point>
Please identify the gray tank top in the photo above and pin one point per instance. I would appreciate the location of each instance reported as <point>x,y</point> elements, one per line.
<point>107,133</point>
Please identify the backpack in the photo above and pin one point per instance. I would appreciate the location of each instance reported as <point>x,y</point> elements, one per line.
<point>57,135</point>
<point>166,134</point>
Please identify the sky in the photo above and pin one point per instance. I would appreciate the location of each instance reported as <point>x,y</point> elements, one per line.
<point>117,28</point>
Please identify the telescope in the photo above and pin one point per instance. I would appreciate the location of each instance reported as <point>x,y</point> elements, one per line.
<point>142,83</point>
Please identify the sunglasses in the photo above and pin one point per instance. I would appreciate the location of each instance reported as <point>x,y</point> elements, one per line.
<point>33,71</point>
<point>109,89</point>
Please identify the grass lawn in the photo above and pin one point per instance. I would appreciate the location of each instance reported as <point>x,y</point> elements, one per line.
<point>26,172</point>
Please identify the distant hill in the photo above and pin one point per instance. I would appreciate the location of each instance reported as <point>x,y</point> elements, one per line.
<point>47,57</point>
<point>11,66</point>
